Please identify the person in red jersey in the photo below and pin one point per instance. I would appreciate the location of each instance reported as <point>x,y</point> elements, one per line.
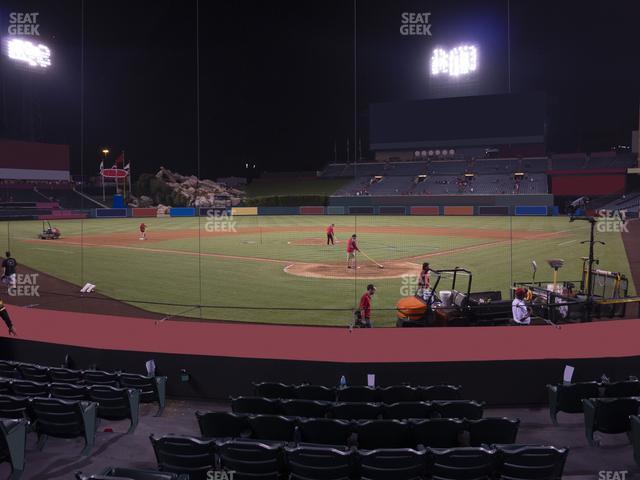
<point>143,231</point>
<point>352,248</point>
<point>363,314</point>
<point>331,234</point>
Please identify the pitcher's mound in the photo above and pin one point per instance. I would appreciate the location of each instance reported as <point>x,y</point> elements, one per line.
<point>392,269</point>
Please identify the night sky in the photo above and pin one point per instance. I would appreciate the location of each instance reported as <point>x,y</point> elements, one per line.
<point>277,85</point>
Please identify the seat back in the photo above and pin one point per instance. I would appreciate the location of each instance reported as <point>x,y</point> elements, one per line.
<point>98,377</point>
<point>405,410</point>
<point>531,462</point>
<point>325,431</point>
<point>635,437</point>
<point>468,463</point>
<point>320,463</point>
<point>396,464</point>
<point>570,395</point>
<point>304,408</point>
<point>144,383</point>
<point>356,394</point>
<point>68,391</point>
<point>374,434</point>
<point>57,418</point>
<point>8,370</point>
<point>355,411</point>
<point>627,388</point>
<point>29,388</point>
<point>255,405</point>
<point>188,455</point>
<point>397,393</point>
<point>251,459</point>
<point>492,430</point>
<point>440,392</point>
<point>315,392</point>
<point>5,386</point>
<point>129,473</point>
<point>272,427</point>
<point>113,402</point>
<point>65,375</point>
<point>274,390</point>
<point>12,406</point>
<point>35,373</point>
<point>469,409</point>
<point>612,414</point>
<point>222,424</point>
<point>437,432</point>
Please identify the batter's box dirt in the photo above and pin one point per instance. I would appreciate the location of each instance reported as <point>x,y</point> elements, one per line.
<point>392,269</point>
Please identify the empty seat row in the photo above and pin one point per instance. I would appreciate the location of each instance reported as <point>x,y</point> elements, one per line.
<point>368,434</point>
<point>469,409</point>
<point>608,415</point>
<point>113,403</point>
<point>153,389</point>
<point>392,394</point>
<point>261,460</point>
<point>567,397</point>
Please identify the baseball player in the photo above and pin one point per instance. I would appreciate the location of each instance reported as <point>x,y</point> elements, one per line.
<point>9,265</point>
<point>331,234</point>
<point>143,231</point>
<point>352,248</point>
<point>7,320</point>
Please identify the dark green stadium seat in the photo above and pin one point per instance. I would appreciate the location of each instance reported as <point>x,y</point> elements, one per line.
<point>608,415</point>
<point>223,424</point>
<point>13,439</point>
<point>152,389</point>
<point>185,455</point>
<point>568,397</point>
<point>116,403</point>
<point>320,463</point>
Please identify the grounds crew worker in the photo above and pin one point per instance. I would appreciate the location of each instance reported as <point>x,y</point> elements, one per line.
<point>363,314</point>
<point>5,316</point>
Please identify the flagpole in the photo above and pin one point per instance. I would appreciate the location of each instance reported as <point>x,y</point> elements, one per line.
<point>124,181</point>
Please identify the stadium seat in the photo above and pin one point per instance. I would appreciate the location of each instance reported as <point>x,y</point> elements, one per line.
<point>222,424</point>
<point>326,431</point>
<point>272,427</point>
<point>113,473</point>
<point>404,410</point>
<point>437,432</point>
<point>251,460</point>
<point>440,392</point>
<point>355,411</point>
<point>635,437</point>
<point>8,370</point>
<point>315,392</point>
<point>184,455</point>
<point>28,388</point>
<point>568,397</point>
<point>320,463</point>
<point>255,405</point>
<point>304,408</point>
<point>13,439</point>
<point>519,462</point>
<point>152,389</point>
<point>356,394</point>
<point>396,464</point>
<point>461,463</point>
<point>65,375</point>
<point>374,434</point>
<point>34,373</point>
<point>5,386</point>
<point>64,419</point>
<point>116,403</point>
<point>98,377</point>
<point>487,431</point>
<point>469,409</point>
<point>68,391</point>
<point>397,393</point>
<point>626,388</point>
<point>273,390</point>
<point>15,407</point>
<point>608,415</point>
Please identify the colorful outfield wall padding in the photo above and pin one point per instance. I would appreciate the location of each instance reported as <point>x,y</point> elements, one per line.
<point>111,212</point>
<point>144,212</point>
<point>458,210</point>
<point>240,211</point>
<point>182,212</point>
<point>493,210</point>
<point>424,210</point>
<point>392,210</point>
<point>335,210</point>
<point>278,210</point>
<point>309,210</point>
<point>362,211</point>
<point>531,210</point>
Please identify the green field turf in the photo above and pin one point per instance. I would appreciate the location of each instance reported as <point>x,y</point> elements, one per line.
<point>173,271</point>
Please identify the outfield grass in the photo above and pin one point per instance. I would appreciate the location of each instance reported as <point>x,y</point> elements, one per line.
<point>173,271</point>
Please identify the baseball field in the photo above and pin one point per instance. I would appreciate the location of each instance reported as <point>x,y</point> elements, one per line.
<point>278,269</point>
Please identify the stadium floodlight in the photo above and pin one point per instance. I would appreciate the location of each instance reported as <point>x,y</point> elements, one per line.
<point>34,55</point>
<point>458,61</point>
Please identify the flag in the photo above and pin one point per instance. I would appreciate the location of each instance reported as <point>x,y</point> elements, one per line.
<point>126,167</point>
<point>101,165</point>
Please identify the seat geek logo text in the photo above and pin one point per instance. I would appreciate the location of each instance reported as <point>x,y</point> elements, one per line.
<point>21,23</point>
<point>415,24</point>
